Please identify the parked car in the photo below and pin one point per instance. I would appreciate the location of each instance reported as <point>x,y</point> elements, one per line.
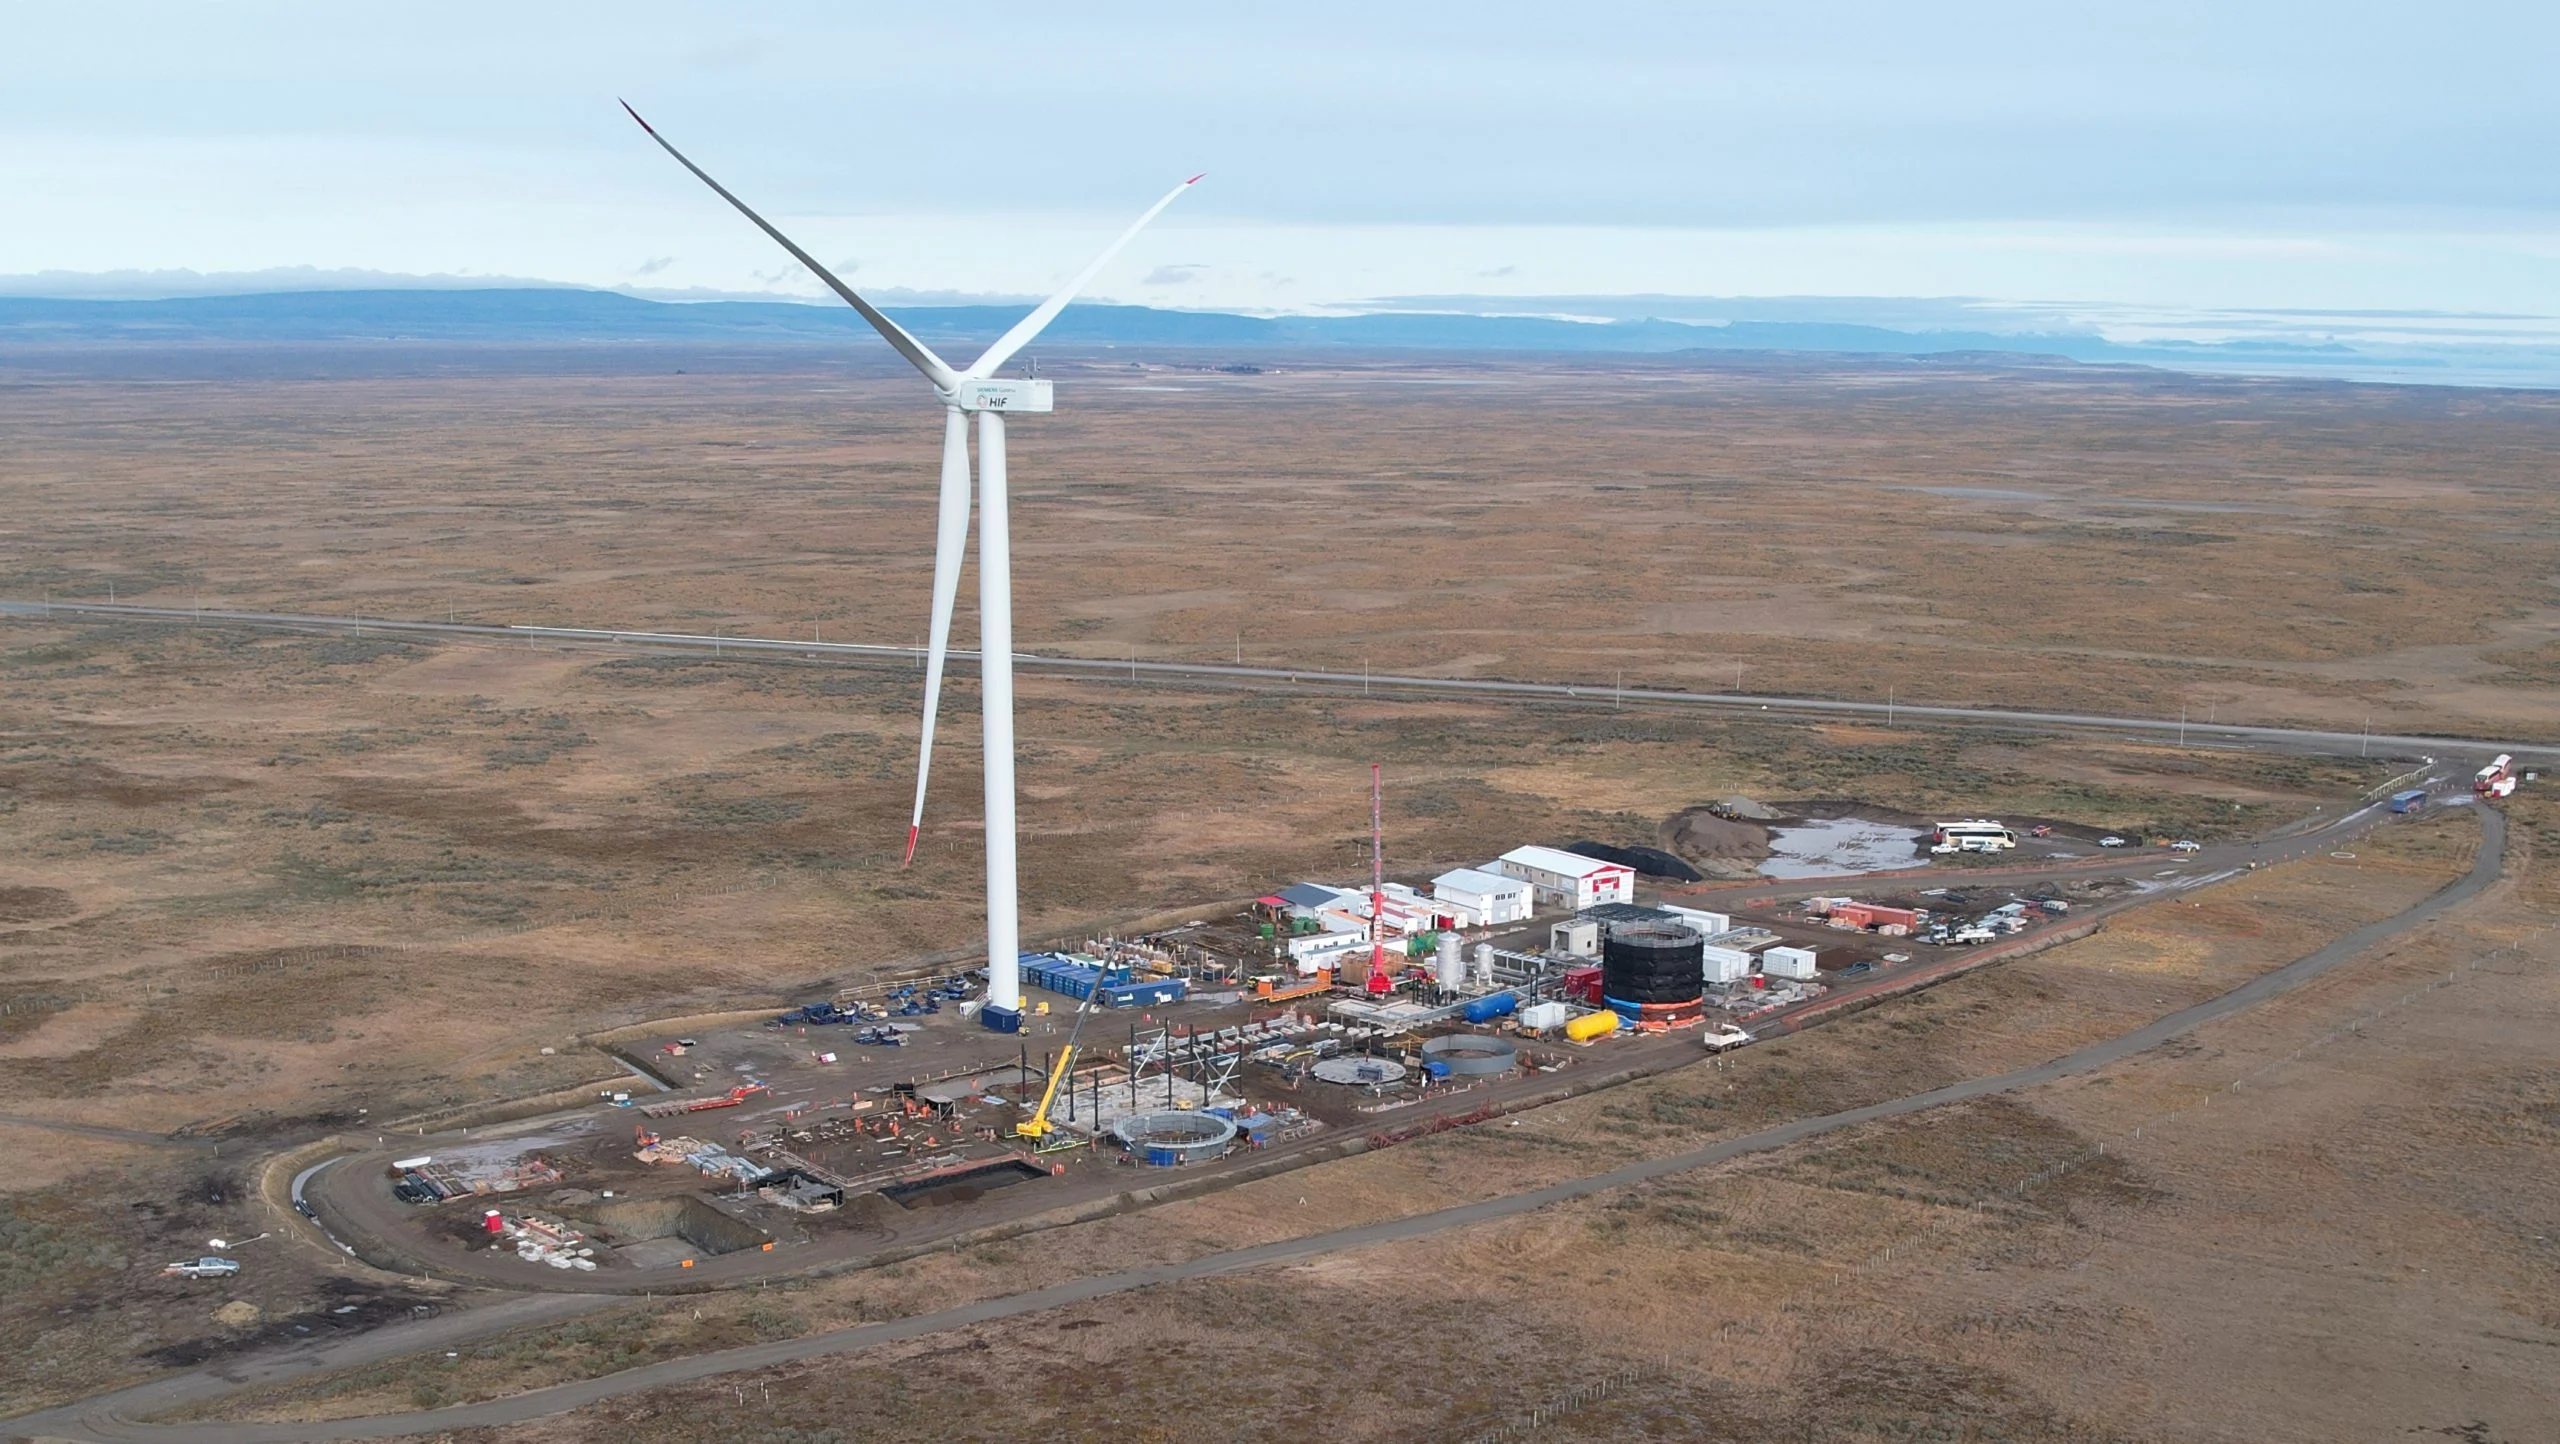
<point>208,1267</point>
<point>2111,842</point>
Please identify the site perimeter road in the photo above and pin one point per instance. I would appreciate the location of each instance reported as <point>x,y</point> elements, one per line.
<point>2355,744</point>
<point>110,1418</point>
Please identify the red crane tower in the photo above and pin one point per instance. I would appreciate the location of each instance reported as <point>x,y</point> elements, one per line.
<point>1379,983</point>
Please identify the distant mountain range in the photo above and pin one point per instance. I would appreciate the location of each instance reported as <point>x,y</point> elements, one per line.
<point>552,315</point>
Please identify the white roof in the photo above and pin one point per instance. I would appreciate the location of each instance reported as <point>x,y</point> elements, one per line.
<point>1556,860</point>
<point>1478,881</point>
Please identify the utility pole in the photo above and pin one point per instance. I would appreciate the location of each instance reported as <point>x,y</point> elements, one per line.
<point>2367,745</point>
<point>2182,724</point>
<point>1888,704</point>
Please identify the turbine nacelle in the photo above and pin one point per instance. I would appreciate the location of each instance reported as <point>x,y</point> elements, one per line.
<point>975,394</point>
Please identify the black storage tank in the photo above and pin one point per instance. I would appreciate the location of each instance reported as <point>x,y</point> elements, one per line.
<point>1653,972</point>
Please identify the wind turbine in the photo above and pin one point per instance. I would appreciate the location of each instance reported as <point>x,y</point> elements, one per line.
<point>977,389</point>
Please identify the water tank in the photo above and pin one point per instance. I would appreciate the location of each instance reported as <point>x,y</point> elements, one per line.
<point>1652,972</point>
<point>1453,963</point>
<point>1484,965</point>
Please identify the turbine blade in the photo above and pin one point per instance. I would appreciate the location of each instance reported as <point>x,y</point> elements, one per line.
<point>950,539</point>
<point>916,352</point>
<point>1031,325</point>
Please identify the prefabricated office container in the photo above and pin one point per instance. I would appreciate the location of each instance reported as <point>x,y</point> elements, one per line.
<point>1725,965</point>
<point>1542,1016</point>
<point>1796,963</point>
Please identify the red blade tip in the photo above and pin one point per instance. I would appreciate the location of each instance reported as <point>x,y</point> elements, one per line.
<point>911,846</point>
<point>1195,180</point>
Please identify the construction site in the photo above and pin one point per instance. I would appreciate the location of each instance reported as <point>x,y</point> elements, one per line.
<point>1310,1022</point>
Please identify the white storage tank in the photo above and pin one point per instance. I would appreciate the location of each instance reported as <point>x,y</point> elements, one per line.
<point>1453,963</point>
<point>1484,966</point>
<point>1726,965</point>
<point>1796,963</point>
<point>1543,1017</point>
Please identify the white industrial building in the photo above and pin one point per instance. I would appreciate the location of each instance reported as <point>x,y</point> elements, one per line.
<point>1477,898</point>
<point>1725,965</point>
<point>1795,963</point>
<point>1708,924</point>
<point>1314,952</point>
<point>1568,879</point>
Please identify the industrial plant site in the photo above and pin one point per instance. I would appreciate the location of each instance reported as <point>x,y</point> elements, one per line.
<point>1319,1020</point>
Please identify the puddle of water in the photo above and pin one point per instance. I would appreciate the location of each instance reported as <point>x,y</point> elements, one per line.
<point>1840,847</point>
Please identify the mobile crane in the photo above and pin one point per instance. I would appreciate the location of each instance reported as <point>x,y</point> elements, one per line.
<point>1037,1127</point>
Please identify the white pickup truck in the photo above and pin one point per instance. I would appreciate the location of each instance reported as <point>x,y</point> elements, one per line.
<point>1726,1036</point>
<point>207,1267</point>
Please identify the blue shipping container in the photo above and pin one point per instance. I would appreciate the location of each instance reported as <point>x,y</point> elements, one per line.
<point>2409,801</point>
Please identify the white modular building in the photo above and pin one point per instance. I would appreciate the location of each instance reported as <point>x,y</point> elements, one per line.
<point>1481,899</point>
<point>1795,963</point>
<point>1313,952</point>
<point>1708,924</point>
<point>1726,965</point>
<point>1568,879</point>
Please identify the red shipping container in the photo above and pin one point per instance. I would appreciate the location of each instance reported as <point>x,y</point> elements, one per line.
<point>1583,985</point>
<point>1873,915</point>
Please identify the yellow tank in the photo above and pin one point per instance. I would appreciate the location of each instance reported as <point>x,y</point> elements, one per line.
<point>1592,1025</point>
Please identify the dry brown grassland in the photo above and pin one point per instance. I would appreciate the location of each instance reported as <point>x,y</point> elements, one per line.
<point>261,887</point>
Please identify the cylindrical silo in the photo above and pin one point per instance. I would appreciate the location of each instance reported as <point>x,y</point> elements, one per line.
<point>1484,966</point>
<point>1453,963</point>
<point>1653,973</point>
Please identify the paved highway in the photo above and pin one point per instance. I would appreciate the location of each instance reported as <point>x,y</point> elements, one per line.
<point>2351,744</point>
<point>116,1417</point>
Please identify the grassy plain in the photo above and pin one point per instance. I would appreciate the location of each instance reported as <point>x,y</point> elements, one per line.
<point>261,887</point>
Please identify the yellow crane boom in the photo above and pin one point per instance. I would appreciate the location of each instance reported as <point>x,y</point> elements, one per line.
<point>1038,1126</point>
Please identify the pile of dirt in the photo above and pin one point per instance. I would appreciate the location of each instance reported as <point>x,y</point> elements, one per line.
<point>1720,846</point>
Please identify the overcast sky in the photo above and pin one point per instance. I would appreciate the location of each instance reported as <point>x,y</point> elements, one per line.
<point>2146,155</point>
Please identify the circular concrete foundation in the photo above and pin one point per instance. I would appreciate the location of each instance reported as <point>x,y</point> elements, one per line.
<point>1165,1139</point>
<point>1472,1055</point>
<point>1359,1072</point>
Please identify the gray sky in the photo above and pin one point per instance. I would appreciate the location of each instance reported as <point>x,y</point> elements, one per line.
<point>2154,158</point>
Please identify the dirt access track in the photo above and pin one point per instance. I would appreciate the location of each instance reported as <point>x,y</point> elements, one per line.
<point>118,1416</point>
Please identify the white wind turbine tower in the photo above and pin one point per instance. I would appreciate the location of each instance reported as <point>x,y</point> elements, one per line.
<point>978,390</point>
